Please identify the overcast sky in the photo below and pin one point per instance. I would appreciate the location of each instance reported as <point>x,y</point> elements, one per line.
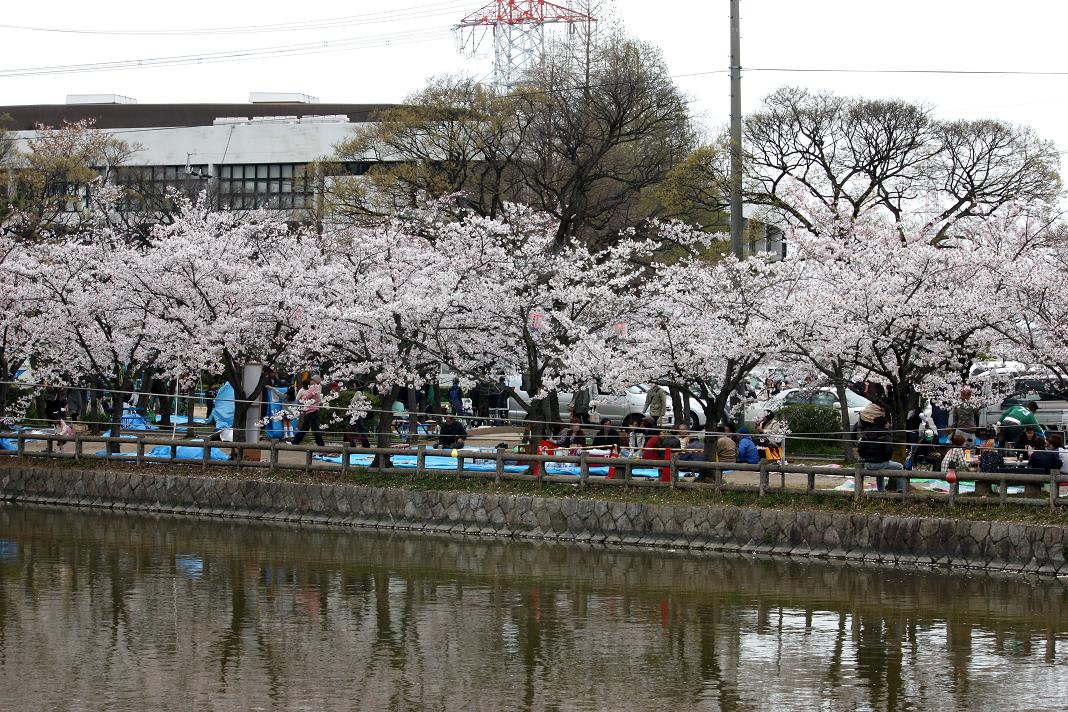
<point>907,34</point>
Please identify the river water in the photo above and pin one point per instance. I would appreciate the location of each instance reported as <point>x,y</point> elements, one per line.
<point>130,612</point>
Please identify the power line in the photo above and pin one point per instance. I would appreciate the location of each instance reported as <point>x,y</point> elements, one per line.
<point>397,14</point>
<point>341,45</point>
<point>837,70</point>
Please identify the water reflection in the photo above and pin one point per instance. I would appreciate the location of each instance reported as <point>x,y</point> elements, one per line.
<point>107,611</point>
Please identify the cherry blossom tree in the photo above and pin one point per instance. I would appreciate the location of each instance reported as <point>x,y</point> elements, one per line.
<point>701,328</point>
<point>232,290</point>
<point>99,325</point>
<point>877,300</point>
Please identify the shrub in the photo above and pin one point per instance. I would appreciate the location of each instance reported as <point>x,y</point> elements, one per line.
<point>806,421</point>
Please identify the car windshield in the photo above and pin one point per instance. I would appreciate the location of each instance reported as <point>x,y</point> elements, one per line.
<point>855,400</point>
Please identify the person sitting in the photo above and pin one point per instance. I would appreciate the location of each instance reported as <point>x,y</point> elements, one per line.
<point>574,435</point>
<point>651,449</point>
<point>876,445</point>
<point>747,449</point>
<point>692,450</point>
<point>1048,459</point>
<point>1030,441</point>
<point>452,433</point>
<point>606,436</point>
<point>672,439</point>
<point>726,448</point>
<point>954,458</point>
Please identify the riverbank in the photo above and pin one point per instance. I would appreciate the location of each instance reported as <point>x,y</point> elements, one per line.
<point>880,531</point>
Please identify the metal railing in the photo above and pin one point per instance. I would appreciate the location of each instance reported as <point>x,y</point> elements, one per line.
<point>673,473</point>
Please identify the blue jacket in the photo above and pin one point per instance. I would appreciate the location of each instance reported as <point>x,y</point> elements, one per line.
<point>747,451</point>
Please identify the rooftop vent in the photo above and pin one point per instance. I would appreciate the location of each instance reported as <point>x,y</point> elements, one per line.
<point>99,99</point>
<point>273,97</point>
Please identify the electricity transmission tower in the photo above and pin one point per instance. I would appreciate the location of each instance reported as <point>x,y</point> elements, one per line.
<point>518,29</point>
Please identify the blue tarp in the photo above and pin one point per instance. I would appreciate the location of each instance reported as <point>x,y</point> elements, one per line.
<point>273,429</point>
<point>182,452</point>
<point>354,459</point>
<point>223,412</point>
<point>187,452</point>
<point>562,468</point>
<point>439,462</point>
<point>183,419</point>
<point>8,444</point>
<point>132,420</point>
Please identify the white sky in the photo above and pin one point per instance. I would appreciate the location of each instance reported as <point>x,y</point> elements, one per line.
<point>906,34</point>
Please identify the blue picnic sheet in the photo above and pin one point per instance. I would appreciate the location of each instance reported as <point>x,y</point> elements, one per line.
<point>354,459</point>
<point>183,419</point>
<point>441,462</point>
<point>182,452</point>
<point>8,444</point>
<point>567,468</point>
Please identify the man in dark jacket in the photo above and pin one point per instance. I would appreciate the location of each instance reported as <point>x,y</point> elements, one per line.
<point>452,433</point>
<point>876,444</point>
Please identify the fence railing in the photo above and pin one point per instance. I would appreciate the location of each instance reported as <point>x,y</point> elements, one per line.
<point>671,473</point>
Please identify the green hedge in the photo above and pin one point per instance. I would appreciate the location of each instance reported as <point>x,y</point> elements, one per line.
<point>808,419</point>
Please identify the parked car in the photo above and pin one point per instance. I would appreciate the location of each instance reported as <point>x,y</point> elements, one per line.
<point>621,408</point>
<point>826,395</point>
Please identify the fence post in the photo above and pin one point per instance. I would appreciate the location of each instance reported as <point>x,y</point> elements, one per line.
<point>459,465</point>
<point>858,480</point>
<point>584,469</point>
<point>717,479</point>
<point>1053,490</point>
<point>274,457</point>
<point>499,472</point>
<point>420,460</point>
<point>77,447</point>
<point>48,445</point>
<point>307,459</point>
<point>954,488</point>
<point>344,459</point>
<point>811,485</point>
<point>140,451</point>
<point>205,453</point>
<point>673,471</point>
<point>763,478</point>
<point>20,438</point>
<point>540,473</point>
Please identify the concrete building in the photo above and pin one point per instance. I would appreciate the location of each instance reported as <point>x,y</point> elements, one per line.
<point>254,155</point>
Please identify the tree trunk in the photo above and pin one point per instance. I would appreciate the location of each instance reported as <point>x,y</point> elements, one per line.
<point>413,416</point>
<point>843,410</point>
<point>678,406</point>
<point>384,425</point>
<point>5,388</point>
<point>117,404</point>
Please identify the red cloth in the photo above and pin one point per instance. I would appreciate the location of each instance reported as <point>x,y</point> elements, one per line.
<point>651,451</point>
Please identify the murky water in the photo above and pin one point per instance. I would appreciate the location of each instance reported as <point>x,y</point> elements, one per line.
<point>127,612</point>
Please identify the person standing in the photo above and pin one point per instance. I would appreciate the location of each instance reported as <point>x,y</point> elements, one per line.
<point>964,418</point>
<point>310,399</point>
<point>456,397</point>
<point>1013,421</point>
<point>655,402</point>
<point>580,405</point>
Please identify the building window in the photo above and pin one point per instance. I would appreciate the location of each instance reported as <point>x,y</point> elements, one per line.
<point>146,187</point>
<point>278,186</point>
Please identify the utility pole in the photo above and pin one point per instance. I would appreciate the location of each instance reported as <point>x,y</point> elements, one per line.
<point>737,244</point>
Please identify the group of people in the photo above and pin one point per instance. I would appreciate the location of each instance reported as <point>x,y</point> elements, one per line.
<point>1017,431</point>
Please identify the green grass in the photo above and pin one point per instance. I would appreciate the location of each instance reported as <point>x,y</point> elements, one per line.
<point>966,508</point>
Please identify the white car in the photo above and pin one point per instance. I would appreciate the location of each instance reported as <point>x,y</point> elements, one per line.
<point>827,395</point>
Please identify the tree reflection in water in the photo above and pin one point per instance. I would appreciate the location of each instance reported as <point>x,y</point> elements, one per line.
<point>100,610</point>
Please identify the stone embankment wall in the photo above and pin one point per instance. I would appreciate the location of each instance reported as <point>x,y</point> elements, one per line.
<point>863,537</point>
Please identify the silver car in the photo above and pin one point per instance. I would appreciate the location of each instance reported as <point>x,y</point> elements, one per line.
<point>621,408</point>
